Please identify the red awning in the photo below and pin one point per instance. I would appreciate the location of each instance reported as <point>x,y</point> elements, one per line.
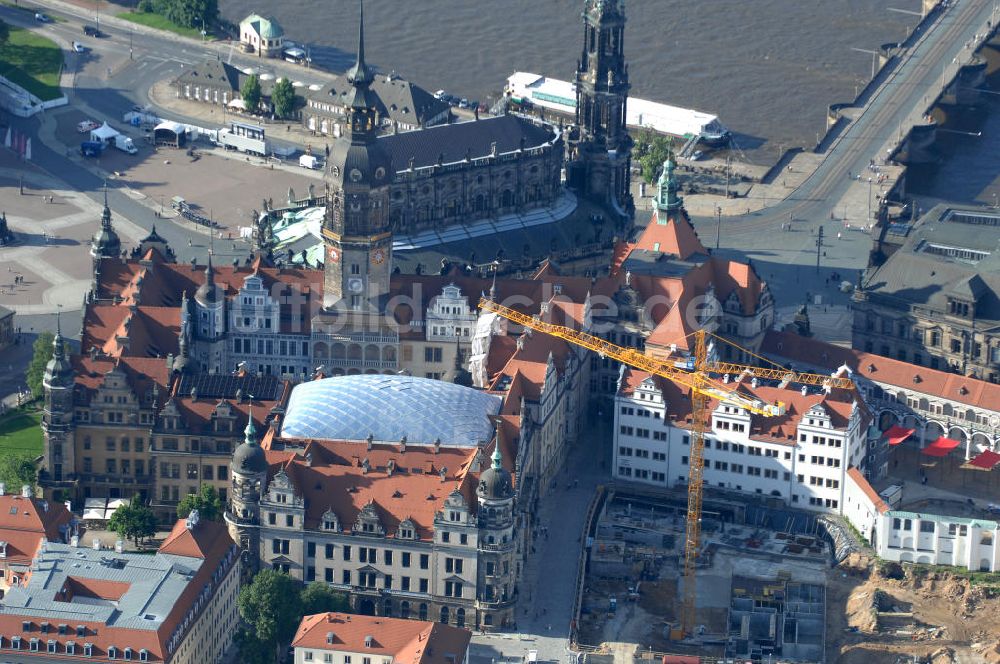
<point>940,447</point>
<point>985,460</point>
<point>897,434</point>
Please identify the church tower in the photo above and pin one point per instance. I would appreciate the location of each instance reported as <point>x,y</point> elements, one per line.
<point>603,147</point>
<point>104,244</point>
<point>498,566</point>
<point>356,229</point>
<point>57,417</point>
<point>249,473</point>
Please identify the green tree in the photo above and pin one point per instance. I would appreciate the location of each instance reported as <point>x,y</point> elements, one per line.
<point>253,650</point>
<point>320,598</point>
<point>134,521</point>
<point>4,33</point>
<point>190,13</point>
<point>36,370</point>
<point>272,606</point>
<point>283,98</point>
<point>652,150</point>
<point>207,502</point>
<point>251,93</point>
<point>16,470</point>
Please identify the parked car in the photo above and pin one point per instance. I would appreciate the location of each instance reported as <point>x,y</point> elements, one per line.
<point>79,48</point>
<point>87,125</point>
<point>439,94</point>
<point>42,18</point>
<point>464,103</point>
<point>92,31</point>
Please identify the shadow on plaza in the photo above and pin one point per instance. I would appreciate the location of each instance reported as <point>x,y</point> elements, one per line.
<point>43,240</point>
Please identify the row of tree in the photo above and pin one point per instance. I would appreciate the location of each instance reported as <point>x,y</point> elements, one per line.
<point>188,13</point>
<point>283,97</point>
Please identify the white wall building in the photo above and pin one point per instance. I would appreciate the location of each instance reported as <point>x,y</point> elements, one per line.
<point>921,538</point>
<point>800,457</point>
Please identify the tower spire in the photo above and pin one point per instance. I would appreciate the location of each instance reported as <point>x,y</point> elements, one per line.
<point>57,343</point>
<point>496,456</point>
<point>667,199</point>
<point>359,74</point>
<point>250,433</point>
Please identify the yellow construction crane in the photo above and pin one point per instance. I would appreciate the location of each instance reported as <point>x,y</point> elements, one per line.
<point>695,373</point>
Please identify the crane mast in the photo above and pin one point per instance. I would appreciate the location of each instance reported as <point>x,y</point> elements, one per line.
<point>697,373</point>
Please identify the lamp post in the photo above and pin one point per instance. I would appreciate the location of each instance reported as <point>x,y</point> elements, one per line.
<point>718,227</point>
<point>869,200</point>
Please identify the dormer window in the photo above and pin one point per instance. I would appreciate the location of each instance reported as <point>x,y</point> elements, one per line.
<point>958,308</point>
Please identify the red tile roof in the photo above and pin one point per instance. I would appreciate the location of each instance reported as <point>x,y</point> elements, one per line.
<point>400,485</point>
<point>209,541</point>
<point>405,641</point>
<point>953,387</point>
<point>778,429</point>
<point>674,236</point>
<point>867,489</point>
<point>25,521</point>
<point>672,302</point>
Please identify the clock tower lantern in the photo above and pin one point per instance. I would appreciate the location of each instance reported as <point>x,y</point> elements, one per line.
<point>356,228</point>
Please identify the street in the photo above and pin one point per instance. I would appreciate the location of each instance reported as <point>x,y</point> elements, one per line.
<point>547,586</point>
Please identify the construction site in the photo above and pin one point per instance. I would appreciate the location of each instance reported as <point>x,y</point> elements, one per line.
<point>773,586</point>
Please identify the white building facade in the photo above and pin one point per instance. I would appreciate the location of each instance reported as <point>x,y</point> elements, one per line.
<point>802,460</point>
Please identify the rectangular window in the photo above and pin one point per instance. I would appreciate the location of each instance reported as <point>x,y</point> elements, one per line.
<point>347,552</point>
<point>406,559</point>
<point>388,556</point>
<point>423,585</point>
<point>425,561</point>
<point>404,583</point>
<point>346,577</point>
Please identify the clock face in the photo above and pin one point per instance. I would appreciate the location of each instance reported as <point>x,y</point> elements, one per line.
<point>355,285</point>
<point>378,256</point>
<point>333,254</point>
<point>355,175</point>
<point>379,173</point>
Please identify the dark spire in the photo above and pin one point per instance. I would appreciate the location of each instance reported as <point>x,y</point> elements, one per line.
<point>105,243</point>
<point>360,74</point>
<point>106,214</point>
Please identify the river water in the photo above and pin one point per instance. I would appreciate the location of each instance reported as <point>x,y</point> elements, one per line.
<point>767,68</point>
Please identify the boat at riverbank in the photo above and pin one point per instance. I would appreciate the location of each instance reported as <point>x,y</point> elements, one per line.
<point>552,94</point>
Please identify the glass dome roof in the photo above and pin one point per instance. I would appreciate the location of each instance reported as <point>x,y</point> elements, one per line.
<point>388,408</point>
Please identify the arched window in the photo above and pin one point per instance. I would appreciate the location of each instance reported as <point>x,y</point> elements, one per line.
<point>404,609</point>
<point>422,611</point>
<point>460,618</point>
<point>444,615</point>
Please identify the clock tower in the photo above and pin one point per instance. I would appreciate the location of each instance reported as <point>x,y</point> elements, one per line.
<point>356,228</point>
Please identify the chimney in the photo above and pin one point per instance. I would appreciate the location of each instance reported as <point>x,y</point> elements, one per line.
<point>96,544</point>
<point>437,445</point>
<point>3,489</point>
<point>119,546</point>
<point>74,541</point>
<point>805,390</point>
<point>369,440</point>
<point>402,444</point>
<point>725,379</point>
<point>753,382</point>
<point>444,473</point>
<point>25,491</point>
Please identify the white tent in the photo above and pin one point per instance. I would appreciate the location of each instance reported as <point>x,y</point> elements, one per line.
<point>103,133</point>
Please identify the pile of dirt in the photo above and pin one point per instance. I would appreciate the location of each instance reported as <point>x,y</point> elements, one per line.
<point>938,617</point>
